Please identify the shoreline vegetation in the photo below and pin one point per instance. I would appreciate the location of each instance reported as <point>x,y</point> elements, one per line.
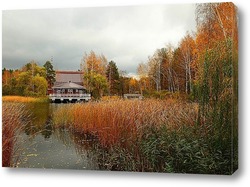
<point>24,99</point>
<point>13,120</point>
<point>151,135</point>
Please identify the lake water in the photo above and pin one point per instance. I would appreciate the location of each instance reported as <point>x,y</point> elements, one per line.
<point>39,145</point>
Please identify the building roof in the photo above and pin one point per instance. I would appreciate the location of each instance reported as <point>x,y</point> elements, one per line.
<point>69,76</point>
<point>68,85</point>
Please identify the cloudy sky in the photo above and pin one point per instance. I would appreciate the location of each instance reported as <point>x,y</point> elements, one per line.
<point>126,35</point>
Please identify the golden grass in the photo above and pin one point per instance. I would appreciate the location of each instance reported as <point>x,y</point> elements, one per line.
<point>23,99</point>
<point>118,120</point>
<point>110,98</point>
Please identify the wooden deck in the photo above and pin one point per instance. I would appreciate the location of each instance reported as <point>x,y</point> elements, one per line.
<point>133,96</point>
<point>69,97</point>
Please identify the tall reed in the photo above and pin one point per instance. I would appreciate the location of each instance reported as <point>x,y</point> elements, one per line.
<point>13,116</point>
<point>119,121</point>
<point>149,135</point>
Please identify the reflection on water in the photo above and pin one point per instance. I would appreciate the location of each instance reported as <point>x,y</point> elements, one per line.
<point>42,146</point>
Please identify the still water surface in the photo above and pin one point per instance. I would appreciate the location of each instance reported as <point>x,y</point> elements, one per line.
<point>39,145</point>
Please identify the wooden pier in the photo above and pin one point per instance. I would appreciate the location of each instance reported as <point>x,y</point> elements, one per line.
<point>133,96</point>
<point>69,97</point>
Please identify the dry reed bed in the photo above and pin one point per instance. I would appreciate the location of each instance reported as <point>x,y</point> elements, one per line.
<point>123,120</point>
<point>23,99</point>
<point>13,115</point>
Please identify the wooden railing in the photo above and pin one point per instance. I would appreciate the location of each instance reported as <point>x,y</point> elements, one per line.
<point>69,95</point>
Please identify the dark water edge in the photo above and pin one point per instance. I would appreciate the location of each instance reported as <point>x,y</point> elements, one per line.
<point>40,145</point>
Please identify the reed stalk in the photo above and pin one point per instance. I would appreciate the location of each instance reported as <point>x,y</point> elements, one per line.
<point>13,117</point>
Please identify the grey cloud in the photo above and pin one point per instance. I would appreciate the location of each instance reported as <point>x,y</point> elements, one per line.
<point>127,35</point>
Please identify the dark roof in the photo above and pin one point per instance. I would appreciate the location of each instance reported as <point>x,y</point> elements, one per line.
<point>69,76</point>
<point>68,85</point>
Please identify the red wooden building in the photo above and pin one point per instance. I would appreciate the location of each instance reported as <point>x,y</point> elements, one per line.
<point>68,87</point>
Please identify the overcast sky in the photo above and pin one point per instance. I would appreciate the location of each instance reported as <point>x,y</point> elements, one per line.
<point>126,35</point>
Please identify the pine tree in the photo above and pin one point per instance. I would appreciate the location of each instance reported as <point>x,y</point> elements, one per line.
<point>50,73</point>
<point>113,78</point>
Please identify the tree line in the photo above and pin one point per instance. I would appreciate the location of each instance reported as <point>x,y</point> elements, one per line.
<point>30,80</point>
<point>182,69</point>
<point>104,78</point>
<point>204,64</point>
<point>202,57</point>
<point>100,78</point>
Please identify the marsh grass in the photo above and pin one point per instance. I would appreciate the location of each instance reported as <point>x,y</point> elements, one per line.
<point>119,121</point>
<point>150,135</point>
<point>13,117</point>
<point>22,99</point>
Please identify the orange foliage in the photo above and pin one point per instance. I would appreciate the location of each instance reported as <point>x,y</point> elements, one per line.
<point>216,22</point>
<point>7,75</point>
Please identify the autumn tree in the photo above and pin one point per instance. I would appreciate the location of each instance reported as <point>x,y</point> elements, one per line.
<point>215,22</point>
<point>9,81</point>
<point>188,49</point>
<point>40,86</point>
<point>30,80</point>
<point>217,34</point>
<point>24,83</point>
<point>124,82</point>
<point>161,71</point>
<point>179,70</point>
<point>154,71</point>
<point>144,80</point>
<point>168,75</point>
<point>93,65</point>
<point>217,80</point>
<point>133,85</point>
<point>98,84</point>
<point>4,76</point>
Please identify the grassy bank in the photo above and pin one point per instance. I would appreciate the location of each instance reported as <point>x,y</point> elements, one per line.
<point>13,115</point>
<point>23,99</point>
<point>150,135</point>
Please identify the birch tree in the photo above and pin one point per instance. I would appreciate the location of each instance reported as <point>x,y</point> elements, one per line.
<point>187,46</point>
